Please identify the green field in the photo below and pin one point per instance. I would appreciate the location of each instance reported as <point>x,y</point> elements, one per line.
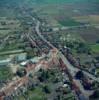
<point>95,48</point>
<point>68,22</point>
<point>34,94</point>
<point>5,73</point>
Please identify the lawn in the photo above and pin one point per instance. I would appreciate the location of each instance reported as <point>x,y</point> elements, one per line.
<point>69,22</point>
<point>35,94</point>
<point>97,70</point>
<point>5,73</point>
<point>95,48</point>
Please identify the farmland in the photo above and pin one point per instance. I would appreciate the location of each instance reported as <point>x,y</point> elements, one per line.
<point>7,26</point>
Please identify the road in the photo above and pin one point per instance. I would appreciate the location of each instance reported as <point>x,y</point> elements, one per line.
<point>40,35</point>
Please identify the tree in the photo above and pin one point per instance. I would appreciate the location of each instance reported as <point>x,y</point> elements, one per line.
<point>79,75</point>
<point>21,72</point>
<point>43,76</point>
<point>46,89</point>
<point>95,95</point>
<point>97,41</point>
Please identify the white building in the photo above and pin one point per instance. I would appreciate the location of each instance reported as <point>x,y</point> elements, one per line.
<point>21,57</point>
<point>5,62</point>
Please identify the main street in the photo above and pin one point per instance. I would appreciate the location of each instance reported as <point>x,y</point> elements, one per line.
<point>40,35</point>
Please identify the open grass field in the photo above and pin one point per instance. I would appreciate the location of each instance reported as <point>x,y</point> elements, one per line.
<point>35,94</point>
<point>68,22</point>
<point>5,73</point>
<point>91,19</point>
<point>95,48</point>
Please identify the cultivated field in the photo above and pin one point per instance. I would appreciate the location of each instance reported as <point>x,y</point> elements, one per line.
<point>8,25</point>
